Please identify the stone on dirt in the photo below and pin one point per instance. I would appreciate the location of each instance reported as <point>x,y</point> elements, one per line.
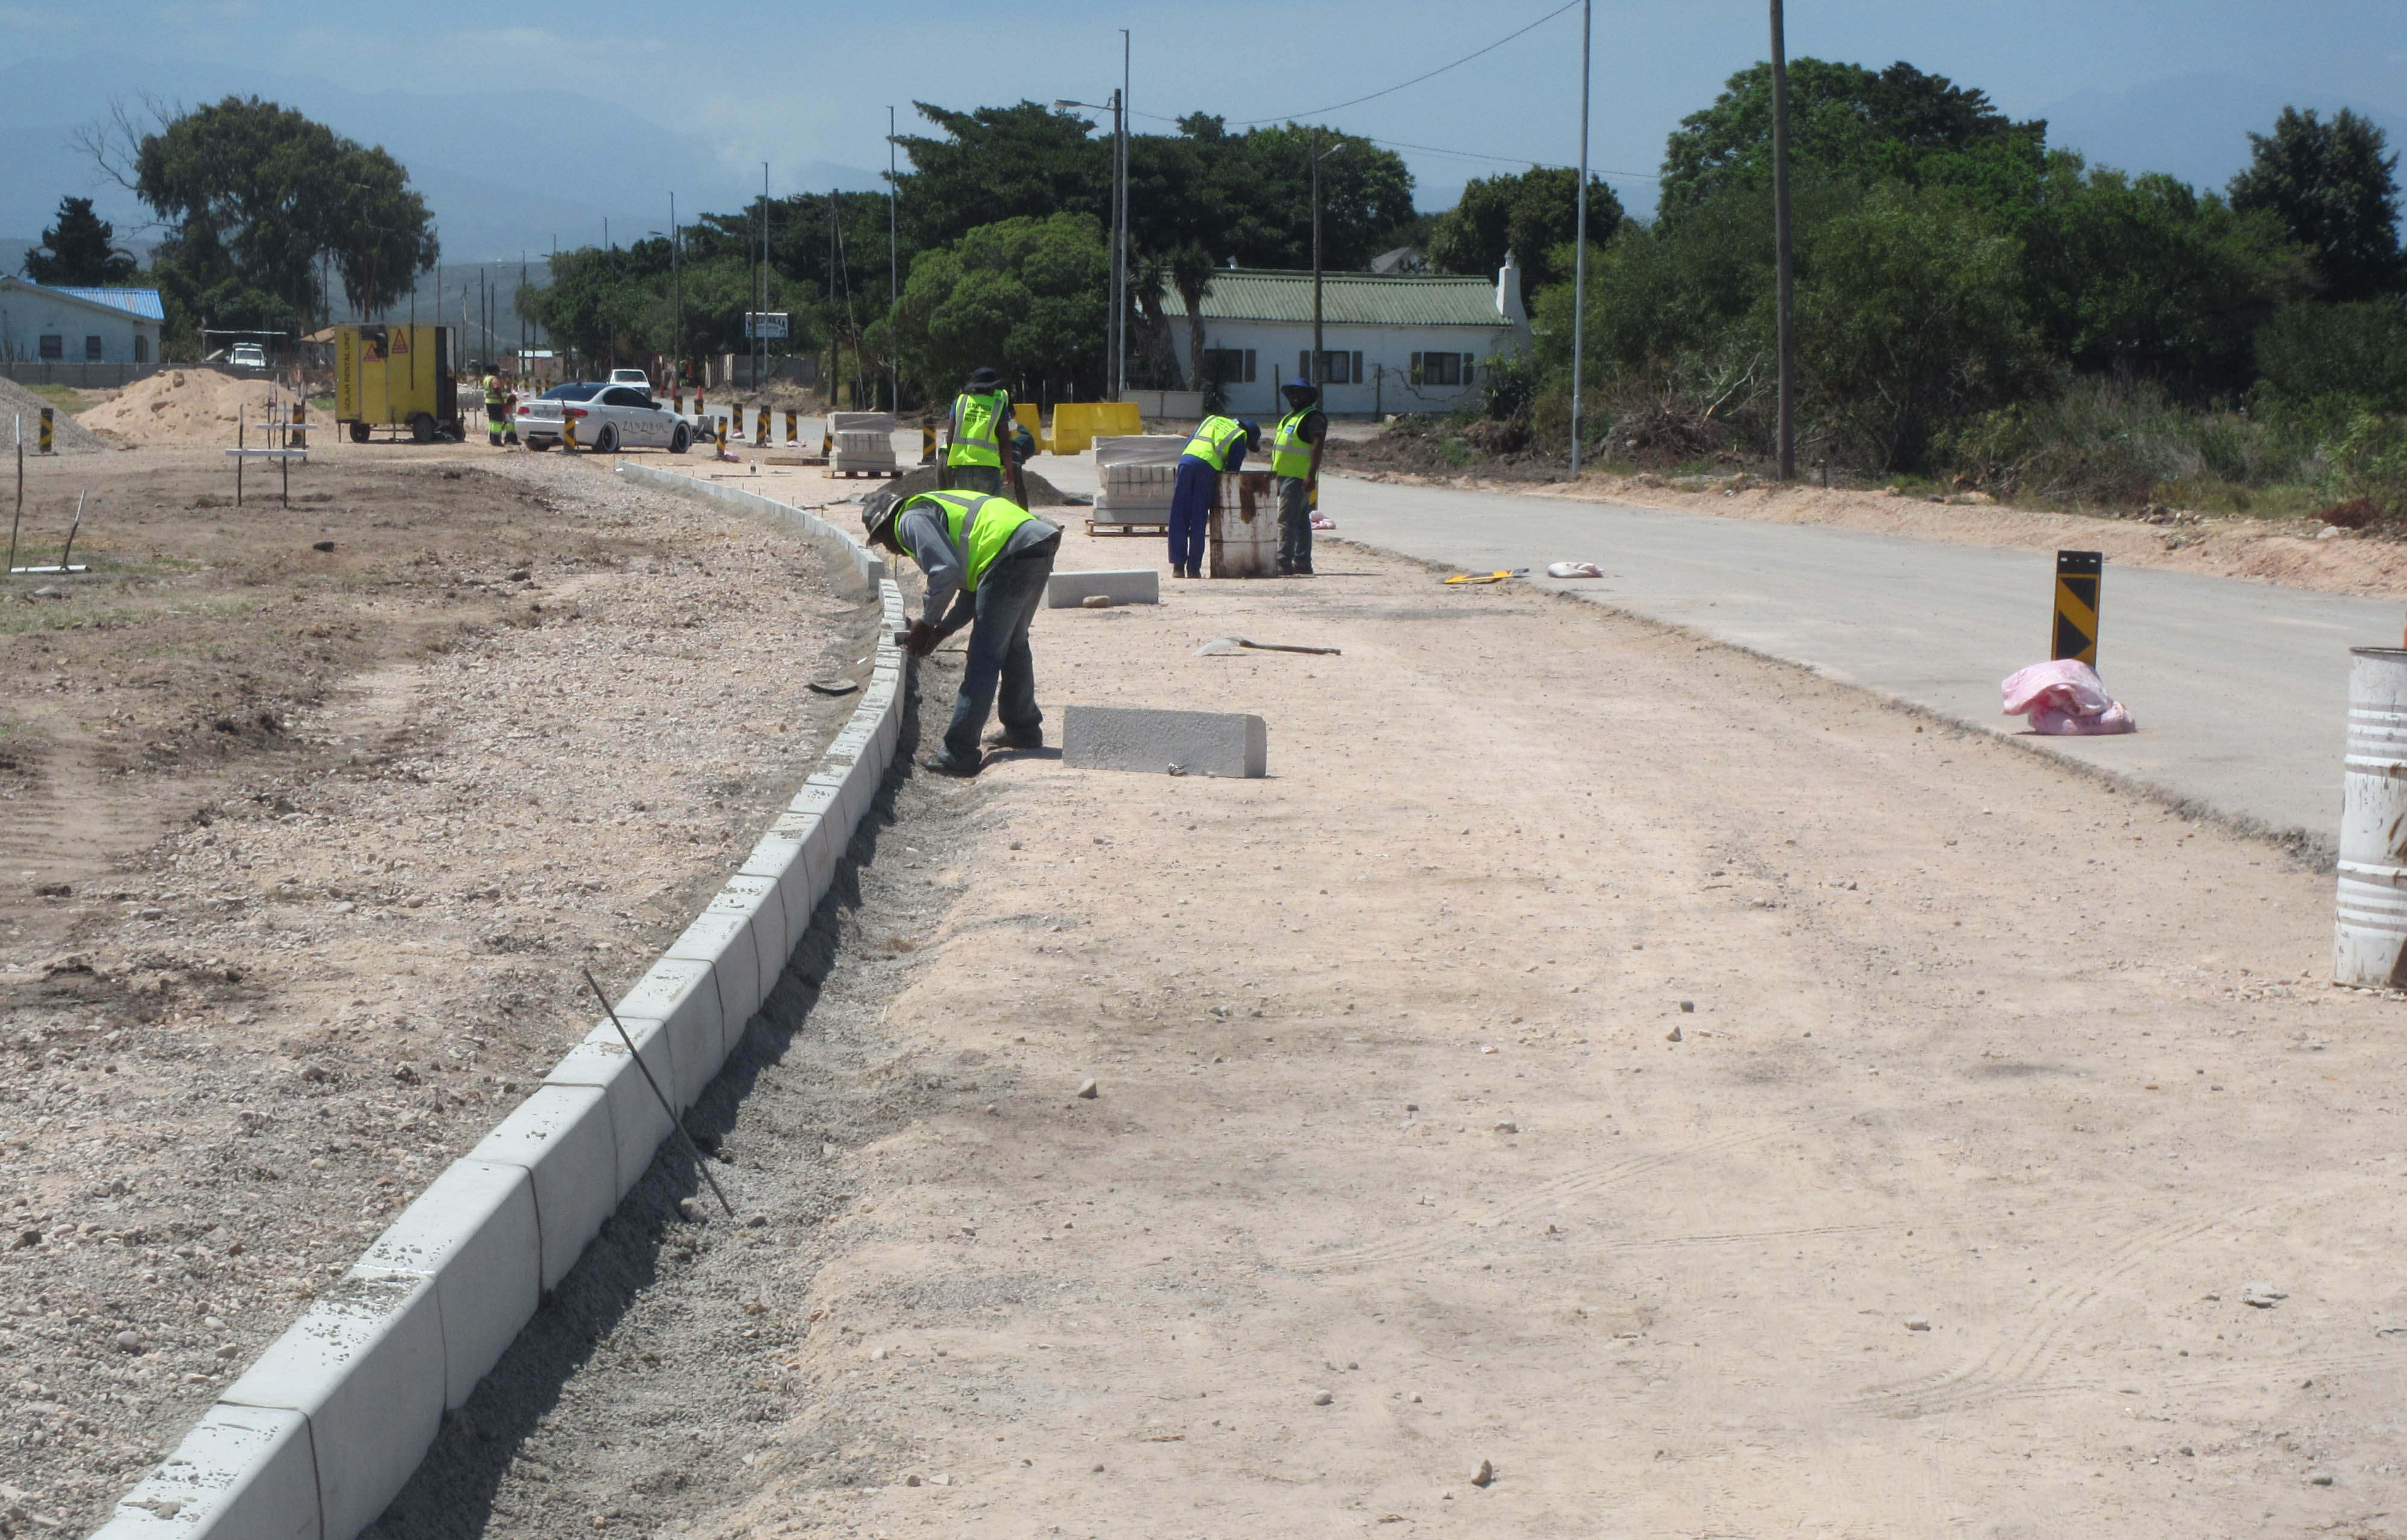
<point>1484,1475</point>
<point>1087,1090</point>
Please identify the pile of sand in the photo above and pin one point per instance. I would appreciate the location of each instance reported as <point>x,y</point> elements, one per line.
<point>190,407</point>
<point>67,436</point>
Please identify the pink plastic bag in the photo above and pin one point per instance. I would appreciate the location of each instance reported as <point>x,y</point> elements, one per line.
<point>2064,699</point>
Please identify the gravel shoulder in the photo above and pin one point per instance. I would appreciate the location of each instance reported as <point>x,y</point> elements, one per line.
<point>1683,1087</point>
<point>301,852</point>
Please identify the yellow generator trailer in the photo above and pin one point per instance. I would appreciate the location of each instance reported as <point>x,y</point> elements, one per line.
<point>397,375</point>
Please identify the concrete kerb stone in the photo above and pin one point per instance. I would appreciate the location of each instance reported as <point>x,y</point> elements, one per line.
<point>239,1471</point>
<point>724,941</point>
<point>561,1136</point>
<point>1133,737</point>
<point>366,1366</point>
<point>1071,591</point>
<point>316,1438</point>
<point>475,1232</point>
<point>777,857</point>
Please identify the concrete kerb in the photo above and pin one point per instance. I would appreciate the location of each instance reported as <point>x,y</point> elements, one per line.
<point>325,1428</point>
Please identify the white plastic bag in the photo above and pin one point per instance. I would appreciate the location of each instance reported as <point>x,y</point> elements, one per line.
<point>2064,699</point>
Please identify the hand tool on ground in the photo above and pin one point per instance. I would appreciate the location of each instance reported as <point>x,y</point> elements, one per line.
<point>1459,578</point>
<point>701,1164</point>
<point>1223,644</point>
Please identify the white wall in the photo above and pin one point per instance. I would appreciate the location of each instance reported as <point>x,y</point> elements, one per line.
<point>27,317</point>
<point>1386,363</point>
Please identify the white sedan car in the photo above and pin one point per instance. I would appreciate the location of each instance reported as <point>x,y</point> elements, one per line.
<point>608,419</point>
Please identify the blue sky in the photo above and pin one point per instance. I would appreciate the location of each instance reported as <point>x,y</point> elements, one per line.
<point>521,133</point>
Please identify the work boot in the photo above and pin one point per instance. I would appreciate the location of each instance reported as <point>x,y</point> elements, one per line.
<point>943,763</point>
<point>1003,737</point>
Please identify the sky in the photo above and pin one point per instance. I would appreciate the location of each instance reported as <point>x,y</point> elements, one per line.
<point>522,134</point>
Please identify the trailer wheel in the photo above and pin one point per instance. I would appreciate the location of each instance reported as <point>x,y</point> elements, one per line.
<point>359,432</point>
<point>422,427</point>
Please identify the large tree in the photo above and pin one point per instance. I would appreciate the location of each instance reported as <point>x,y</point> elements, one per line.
<point>1850,124</point>
<point>2335,192</point>
<point>78,251</point>
<point>256,198</point>
<point>1530,213</point>
<point>1027,297</point>
<point>994,163</point>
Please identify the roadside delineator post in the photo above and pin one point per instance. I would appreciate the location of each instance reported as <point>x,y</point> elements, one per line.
<point>760,427</point>
<point>567,432</point>
<point>927,444</point>
<point>720,430</point>
<point>43,445</point>
<point>793,427</point>
<point>2075,634</point>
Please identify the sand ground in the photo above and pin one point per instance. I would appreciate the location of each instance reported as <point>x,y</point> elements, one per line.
<point>1719,1104</point>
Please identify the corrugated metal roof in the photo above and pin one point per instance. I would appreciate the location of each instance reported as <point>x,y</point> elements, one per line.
<point>1347,299</point>
<point>133,302</point>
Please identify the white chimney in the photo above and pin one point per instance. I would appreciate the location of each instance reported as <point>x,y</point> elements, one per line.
<point>1508,292</point>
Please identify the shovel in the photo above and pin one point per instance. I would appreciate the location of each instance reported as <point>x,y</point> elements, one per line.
<point>1219,645</point>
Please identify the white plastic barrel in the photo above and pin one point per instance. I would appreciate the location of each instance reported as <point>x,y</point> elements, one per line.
<point>2370,929</point>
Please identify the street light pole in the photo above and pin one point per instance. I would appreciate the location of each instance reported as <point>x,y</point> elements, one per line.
<point>1119,247</point>
<point>677,282</point>
<point>1580,257</point>
<point>1313,373</point>
<point>1786,277</point>
<point>894,277</point>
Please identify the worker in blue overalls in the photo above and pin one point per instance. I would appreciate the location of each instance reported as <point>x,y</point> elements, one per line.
<point>1219,444</point>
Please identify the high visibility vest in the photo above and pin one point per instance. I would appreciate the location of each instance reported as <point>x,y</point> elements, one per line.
<point>1213,436</point>
<point>976,526</point>
<point>492,392</point>
<point>976,421</point>
<point>1290,455</point>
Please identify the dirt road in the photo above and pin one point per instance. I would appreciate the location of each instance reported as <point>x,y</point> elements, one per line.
<point>308,820</point>
<point>1705,1100</point>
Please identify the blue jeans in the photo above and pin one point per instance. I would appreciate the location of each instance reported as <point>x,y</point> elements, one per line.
<point>1007,595</point>
<point>1190,512</point>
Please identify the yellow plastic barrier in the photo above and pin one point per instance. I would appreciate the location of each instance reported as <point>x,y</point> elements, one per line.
<point>1076,424</point>
<point>1024,413</point>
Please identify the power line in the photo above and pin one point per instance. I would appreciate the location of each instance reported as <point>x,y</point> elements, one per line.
<point>1257,122</point>
<point>1465,154</point>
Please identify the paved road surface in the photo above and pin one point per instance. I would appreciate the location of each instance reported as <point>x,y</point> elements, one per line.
<point>2240,688</point>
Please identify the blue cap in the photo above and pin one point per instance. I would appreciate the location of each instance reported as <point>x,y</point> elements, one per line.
<point>1253,432</point>
<point>1300,383</point>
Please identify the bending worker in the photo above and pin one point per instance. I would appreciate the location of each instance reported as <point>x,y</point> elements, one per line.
<point>1295,461</point>
<point>987,559</point>
<point>977,439</point>
<point>1219,444</point>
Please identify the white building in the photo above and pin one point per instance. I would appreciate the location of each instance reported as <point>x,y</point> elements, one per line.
<point>1401,343</point>
<point>40,325</point>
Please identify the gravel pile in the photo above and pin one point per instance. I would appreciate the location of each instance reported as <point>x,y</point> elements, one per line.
<point>67,435</point>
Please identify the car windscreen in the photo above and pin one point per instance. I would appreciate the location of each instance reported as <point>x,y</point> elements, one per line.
<point>581,391</point>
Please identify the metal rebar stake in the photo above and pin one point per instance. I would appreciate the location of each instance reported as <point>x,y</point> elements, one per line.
<point>700,1162</point>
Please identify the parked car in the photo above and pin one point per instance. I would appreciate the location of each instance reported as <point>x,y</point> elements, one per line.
<point>635,378</point>
<point>608,418</point>
<point>248,355</point>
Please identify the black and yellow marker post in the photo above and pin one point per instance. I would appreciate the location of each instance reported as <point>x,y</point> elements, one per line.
<point>42,443</point>
<point>567,433</point>
<point>718,426</point>
<point>760,428</point>
<point>2075,633</point>
<point>927,442</point>
<point>793,427</point>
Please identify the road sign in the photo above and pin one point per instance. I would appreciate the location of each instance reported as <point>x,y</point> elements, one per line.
<point>765,325</point>
<point>2076,635</point>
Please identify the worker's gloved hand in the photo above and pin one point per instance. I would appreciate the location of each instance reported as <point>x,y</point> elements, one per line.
<point>922,638</point>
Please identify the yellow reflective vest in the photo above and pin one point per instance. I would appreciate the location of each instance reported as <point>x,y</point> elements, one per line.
<point>1213,436</point>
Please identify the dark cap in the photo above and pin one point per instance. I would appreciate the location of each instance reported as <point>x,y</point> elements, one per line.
<point>983,379</point>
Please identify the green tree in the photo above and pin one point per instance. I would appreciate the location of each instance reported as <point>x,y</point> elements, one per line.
<point>1025,296</point>
<point>78,251</point>
<point>2335,192</point>
<point>995,163</point>
<point>1847,122</point>
<point>1909,316</point>
<point>2144,276</point>
<point>2358,349</point>
<point>1530,214</point>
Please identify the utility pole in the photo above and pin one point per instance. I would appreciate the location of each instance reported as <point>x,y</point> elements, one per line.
<point>1580,257</point>
<point>1786,303</point>
<point>760,345</point>
<point>1120,246</point>
<point>1313,373</point>
<point>894,277</point>
<point>677,282</point>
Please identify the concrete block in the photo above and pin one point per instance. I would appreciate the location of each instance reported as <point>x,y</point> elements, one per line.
<point>683,995</point>
<point>241,1471</point>
<point>366,1366</point>
<point>846,807</point>
<point>639,1122</point>
<point>561,1136</point>
<point>758,899</point>
<point>725,942</point>
<point>816,795</point>
<point>474,1231</point>
<point>1069,590</point>
<point>780,859</point>
<point>1132,738</point>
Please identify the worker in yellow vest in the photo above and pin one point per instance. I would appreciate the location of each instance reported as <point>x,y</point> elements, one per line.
<point>977,439</point>
<point>1219,444</point>
<point>496,419</point>
<point>986,558</point>
<point>1295,461</point>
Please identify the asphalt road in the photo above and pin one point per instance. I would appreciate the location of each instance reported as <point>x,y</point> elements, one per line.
<point>2240,688</point>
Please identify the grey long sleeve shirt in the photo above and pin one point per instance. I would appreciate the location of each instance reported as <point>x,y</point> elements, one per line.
<point>920,531</point>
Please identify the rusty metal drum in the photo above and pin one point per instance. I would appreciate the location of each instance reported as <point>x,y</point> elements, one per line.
<point>2370,929</point>
<point>1244,533</point>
